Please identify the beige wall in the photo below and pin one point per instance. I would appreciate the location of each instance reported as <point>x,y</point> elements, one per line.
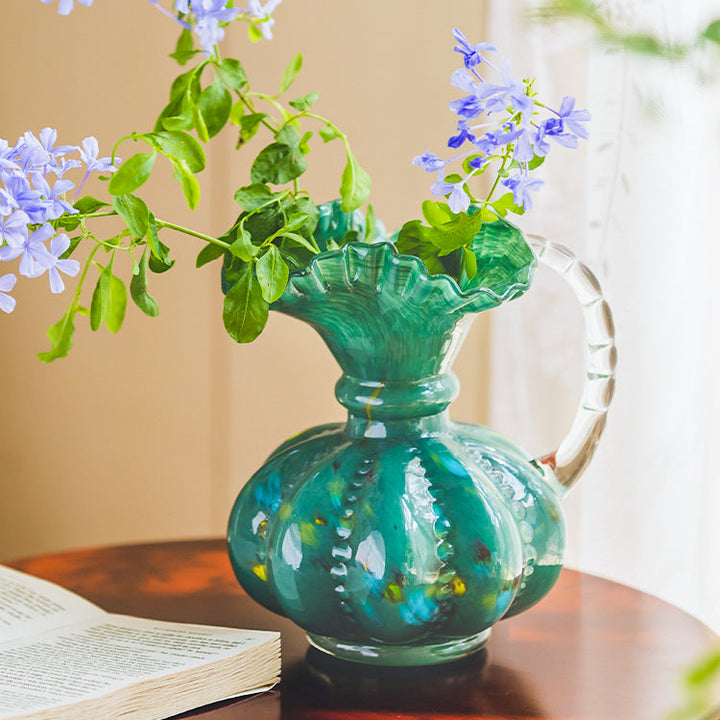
<point>150,434</point>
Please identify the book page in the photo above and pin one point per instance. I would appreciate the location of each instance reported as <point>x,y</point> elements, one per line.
<point>29,605</point>
<point>94,658</point>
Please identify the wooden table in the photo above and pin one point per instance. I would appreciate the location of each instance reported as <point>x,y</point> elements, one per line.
<point>592,650</point>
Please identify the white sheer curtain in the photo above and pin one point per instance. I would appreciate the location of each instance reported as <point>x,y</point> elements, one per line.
<point>641,205</point>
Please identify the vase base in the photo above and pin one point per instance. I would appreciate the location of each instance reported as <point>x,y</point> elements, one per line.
<point>400,655</point>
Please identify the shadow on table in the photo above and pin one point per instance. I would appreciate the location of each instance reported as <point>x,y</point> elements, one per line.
<point>323,687</point>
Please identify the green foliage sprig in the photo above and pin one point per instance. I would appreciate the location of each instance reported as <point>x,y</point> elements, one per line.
<point>274,230</point>
<point>629,39</point>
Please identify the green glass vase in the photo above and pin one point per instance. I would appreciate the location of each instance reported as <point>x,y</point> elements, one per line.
<point>401,537</point>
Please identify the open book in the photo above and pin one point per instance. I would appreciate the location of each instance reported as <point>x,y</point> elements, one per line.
<point>63,658</point>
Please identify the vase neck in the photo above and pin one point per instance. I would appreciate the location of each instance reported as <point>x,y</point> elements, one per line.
<point>396,400</point>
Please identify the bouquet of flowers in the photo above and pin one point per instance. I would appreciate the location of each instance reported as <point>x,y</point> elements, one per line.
<point>503,132</point>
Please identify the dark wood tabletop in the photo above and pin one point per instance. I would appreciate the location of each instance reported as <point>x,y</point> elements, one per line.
<point>592,650</point>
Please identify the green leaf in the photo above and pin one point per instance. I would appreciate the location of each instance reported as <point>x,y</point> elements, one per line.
<point>134,212</point>
<point>436,213</point>
<point>89,204</point>
<point>278,163</point>
<point>644,44</point>
<point>159,260</point>
<point>116,305</point>
<point>74,242</point>
<point>305,142</point>
<point>100,297</point>
<point>296,221</point>
<point>413,240</point>
<point>291,72</point>
<point>184,48</point>
<point>328,133</point>
<point>233,74</point>
<point>348,237</point>
<point>272,273</point>
<point>536,162</point>
<point>254,33</point>
<point>138,289</point>
<point>175,113</point>
<point>60,335</point>
<point>215,103</point>
<point>304,102</point>
<point>306,206</point>
<point>505,204</point>
<point>237,111</point>
<point>370,225</point>
<point>179,87</point>
<point>470,262</point>
<point>245,310</point>
<point>249,125</point>
<point>704,670</point>
<point>243,247</point>
<point>252,197</point>
<point>354,185</point>
<point>177,122</point>
<point>290,135</point>
<point>132,173</point>
<point>178,145</point>
<point>712,32</point>
<point>455,233</point>
<point>198,122</point>
<point>188,181</point>
<point>300,240</point>
<point>209,253</point>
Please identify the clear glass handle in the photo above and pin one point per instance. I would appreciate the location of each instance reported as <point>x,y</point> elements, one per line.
<point>576,450</point>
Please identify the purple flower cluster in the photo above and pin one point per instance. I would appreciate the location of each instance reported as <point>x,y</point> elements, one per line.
<point>503,124</point>
<point>208,17</point>
<point>33,189</point>
<point>65,7</point>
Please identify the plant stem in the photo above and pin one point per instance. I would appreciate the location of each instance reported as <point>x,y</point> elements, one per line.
<point>88,262</point>
<point>194,233</point>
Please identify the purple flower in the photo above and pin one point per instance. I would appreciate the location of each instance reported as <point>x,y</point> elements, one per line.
<point>463,80</point>
<point>554,128</point>
<point>163,10</point>
<point>34,256</point>
<point>13,229</point>
<point>8,203</point>
<point>572,118</point>
<point>65,7</point>
<point>523,151</point>
<point>7,283</point>
<point>478,162</point>
<point>89,154</point>
<point>7,165</point>
<point>463,134</point>
<point>471,53</point>
<point>48,137</point>
<point>515,129</point>
<point>458,199</point>
<point>521,186</point>
<point>468,107</point>
<point>206,18</point>
<point>19,194</point>
<point>56,205</point>
<point>258,10</point>
<point>491,141</point>
<point>54,265</point>
<point>511,92</point>
<point>429,162</point>
<point>63,165</point>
